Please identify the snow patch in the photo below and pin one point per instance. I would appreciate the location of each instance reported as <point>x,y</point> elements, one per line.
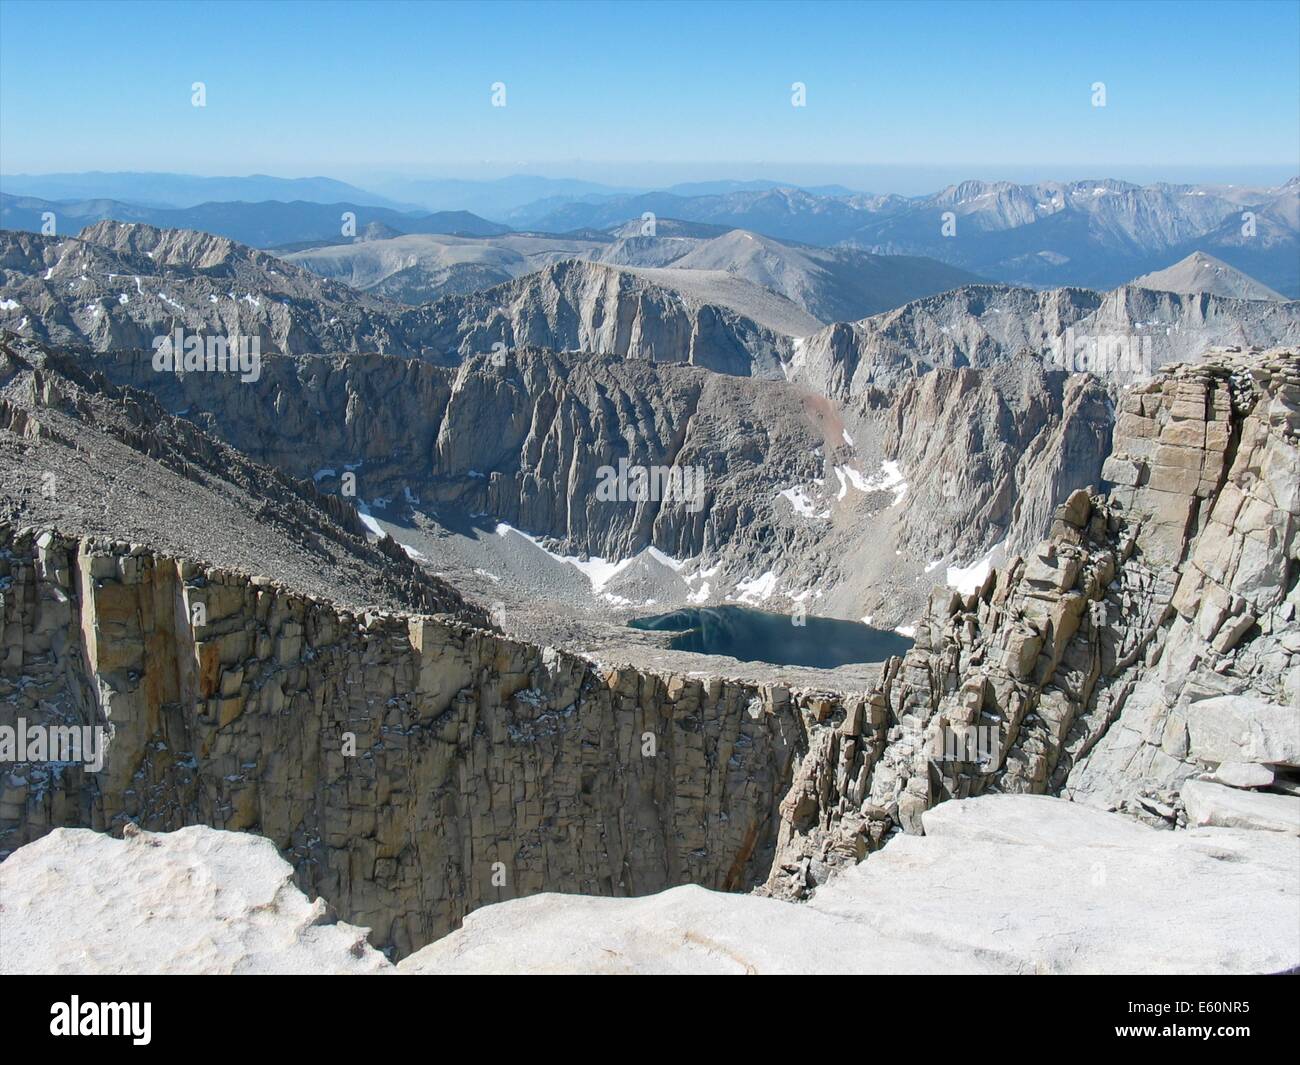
<point>363,512</point>
<point>799,500</point>
<point>969,579</point>
<point>757,589</point>
<point>889,479</point>
<point>797,359</point>
<point>598,571</point>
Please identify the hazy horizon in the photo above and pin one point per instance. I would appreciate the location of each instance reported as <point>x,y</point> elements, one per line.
<point>902,181</point>
<point>889,95</point>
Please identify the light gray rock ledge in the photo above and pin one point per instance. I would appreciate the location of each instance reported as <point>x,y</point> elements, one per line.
<point>1215,805</point>
<point>1002,883</point>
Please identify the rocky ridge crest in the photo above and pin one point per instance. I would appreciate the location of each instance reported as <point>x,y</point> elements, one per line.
<point>1151,639</point>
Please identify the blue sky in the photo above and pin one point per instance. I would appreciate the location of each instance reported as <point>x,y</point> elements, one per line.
<point>636,92</point>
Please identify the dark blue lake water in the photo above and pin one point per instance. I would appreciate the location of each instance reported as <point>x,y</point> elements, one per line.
<point>760,636</point>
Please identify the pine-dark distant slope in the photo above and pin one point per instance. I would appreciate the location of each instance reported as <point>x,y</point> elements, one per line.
<point>262,224</point>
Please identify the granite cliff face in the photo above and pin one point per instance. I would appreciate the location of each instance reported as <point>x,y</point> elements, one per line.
<point>1151,638</point>
<point>989,454</point>
<point>583,306</point>
<point>523,441</point>
<point>410,767</point>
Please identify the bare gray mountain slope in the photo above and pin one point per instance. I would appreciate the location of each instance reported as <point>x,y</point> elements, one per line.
<point>124,285</point>
<point>418,267</point>
<point>728,288</point>
<point>1200,272</point>
<point>829,284</point>
<point>92,459</point>
<point>833,284</point>
<point>981,325</point>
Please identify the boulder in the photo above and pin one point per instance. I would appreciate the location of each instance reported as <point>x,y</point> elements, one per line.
<point>1242,728</point>
<point>1243,775</point>
<point>1222,807</point>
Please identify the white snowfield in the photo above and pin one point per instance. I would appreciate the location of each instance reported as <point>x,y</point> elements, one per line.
<point>999,884</point>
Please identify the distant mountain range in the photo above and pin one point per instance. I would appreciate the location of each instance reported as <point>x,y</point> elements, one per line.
<point>740,306</point>
<point>1095,234</point>
<point>515,199</point>
<point>265,224</point>
<point>187,190</point>
<point>829,284</point>
<point>1092,233</point>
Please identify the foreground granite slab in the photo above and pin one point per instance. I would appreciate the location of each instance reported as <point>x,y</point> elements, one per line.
<point>999,884</point>
<point>193,901</point>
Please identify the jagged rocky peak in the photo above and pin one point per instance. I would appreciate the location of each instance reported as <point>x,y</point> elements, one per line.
<point>169,247</point>
<point>585,306</point>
